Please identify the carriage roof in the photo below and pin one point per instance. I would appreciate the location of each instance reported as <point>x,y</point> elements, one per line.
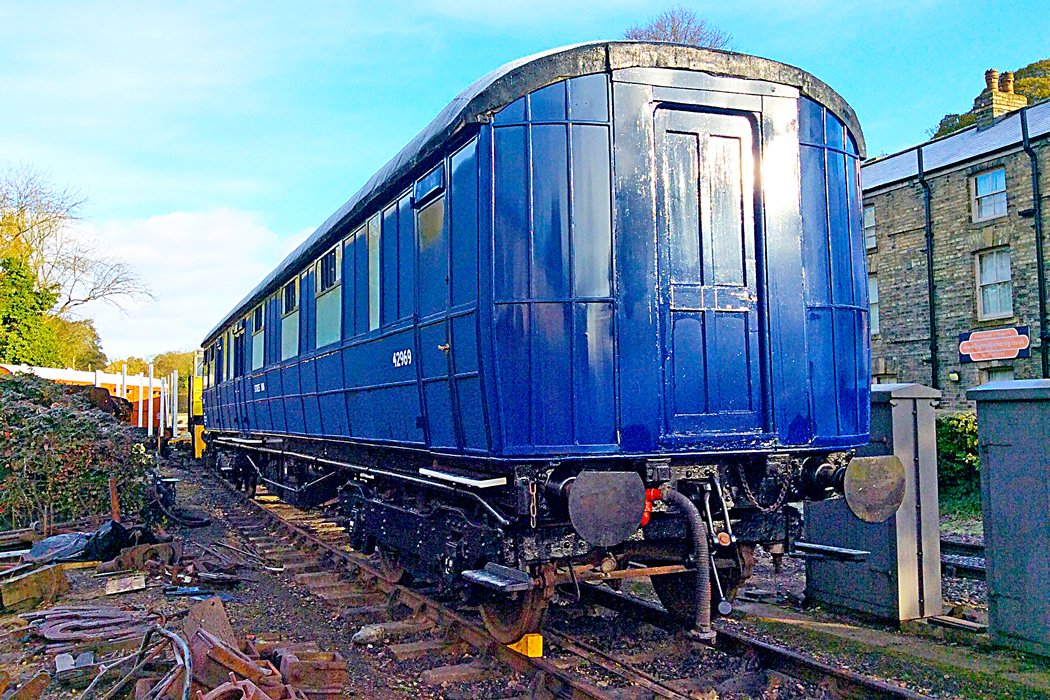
<point>487,95</point>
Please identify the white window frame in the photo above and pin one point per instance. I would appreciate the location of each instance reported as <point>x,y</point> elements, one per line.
<point>980,284</point>
<point>375,290</point>
<point>873,304</point>
<point>325,335</point>
<point>989,371</point>
<point>976,197</point>
<point>259,337</point>
<point>338,252</point>
<point>870,242</point>
<point>284,290</point>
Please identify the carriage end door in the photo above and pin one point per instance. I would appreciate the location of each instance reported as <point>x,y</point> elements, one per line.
<point>709,291</point>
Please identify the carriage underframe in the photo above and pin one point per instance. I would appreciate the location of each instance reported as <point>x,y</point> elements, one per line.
<point>508,539</point>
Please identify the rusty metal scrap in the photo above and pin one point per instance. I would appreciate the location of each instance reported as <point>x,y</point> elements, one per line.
<point>319,674</point>
<point>33,688</point>
<point>68,624</point>
<point>180,672</point>
<point>133,558</point>
<point>214,660</point>
<point>236,689</point>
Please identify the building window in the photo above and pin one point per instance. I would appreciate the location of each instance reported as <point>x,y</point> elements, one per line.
<point>329,306</point>
<point>873,301</point>
<point>290,320</point>
<point>998,374</point>
<point>994,289</point>
<point>257,337</point>
<point>869,227</point>
<point>989,195</point>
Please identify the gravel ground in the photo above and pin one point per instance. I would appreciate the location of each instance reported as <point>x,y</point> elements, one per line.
<point>274,606</point>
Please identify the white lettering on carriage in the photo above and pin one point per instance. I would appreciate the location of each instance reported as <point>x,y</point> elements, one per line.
<point>402,358</point>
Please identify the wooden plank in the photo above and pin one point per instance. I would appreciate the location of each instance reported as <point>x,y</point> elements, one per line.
<point>27,591</point>
<point>459,673</point>
<point>416,650</point>
<point>126,584</point>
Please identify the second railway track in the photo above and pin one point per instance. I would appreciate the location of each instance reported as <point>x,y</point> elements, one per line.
<point>315,552</point>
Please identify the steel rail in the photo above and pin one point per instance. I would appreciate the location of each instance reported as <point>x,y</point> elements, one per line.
<point>466,630</point>
<point>844,682</point>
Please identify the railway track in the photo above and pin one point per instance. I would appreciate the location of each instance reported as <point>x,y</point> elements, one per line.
<point>962,559</point>
<point>315,552</point>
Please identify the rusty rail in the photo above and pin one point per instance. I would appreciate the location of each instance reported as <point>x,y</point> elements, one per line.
<point>843,683</point>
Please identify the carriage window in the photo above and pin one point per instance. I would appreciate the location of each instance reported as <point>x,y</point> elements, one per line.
<point>360,253</point>
<point>464,224</point>
<point>390,260</point>
<point>229,354</point>
<point>328,271</point>
<point>407,251</point>
<point>290,320</point>
<point>433,257</point>
<point>238,350</point>
<point>373,272</point>
<point>258,337</point>
<point>329,300</point>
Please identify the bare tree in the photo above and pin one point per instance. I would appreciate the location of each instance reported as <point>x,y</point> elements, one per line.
<point>37,224</point>
<point>680,25</point>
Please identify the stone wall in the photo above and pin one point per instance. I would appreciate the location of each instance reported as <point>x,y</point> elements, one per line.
<point>901,351</point>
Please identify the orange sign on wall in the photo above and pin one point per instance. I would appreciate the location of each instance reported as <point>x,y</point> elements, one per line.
<point>995,344</point>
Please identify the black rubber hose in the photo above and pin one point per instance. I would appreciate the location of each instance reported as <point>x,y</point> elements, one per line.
<point>698,529</point>
<point>192,520</point>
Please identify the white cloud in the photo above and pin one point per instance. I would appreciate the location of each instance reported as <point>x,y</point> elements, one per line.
<point>198,265</point>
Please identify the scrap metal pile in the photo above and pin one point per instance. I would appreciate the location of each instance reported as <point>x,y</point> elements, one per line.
<point>59,447</point>
<point>113,651</point>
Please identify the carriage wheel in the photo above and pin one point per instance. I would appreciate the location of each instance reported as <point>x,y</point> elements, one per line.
<point>677,592</point>
<point>509,618</point>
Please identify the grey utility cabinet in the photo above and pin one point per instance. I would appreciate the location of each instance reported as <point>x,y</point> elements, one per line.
<point>901,578</point>
<point>1013,439</point>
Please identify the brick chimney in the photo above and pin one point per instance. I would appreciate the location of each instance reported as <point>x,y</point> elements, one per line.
<point>997,98</point>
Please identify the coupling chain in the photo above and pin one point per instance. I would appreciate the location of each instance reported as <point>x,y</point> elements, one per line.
<point>785,484</point>
<point>532,504</point>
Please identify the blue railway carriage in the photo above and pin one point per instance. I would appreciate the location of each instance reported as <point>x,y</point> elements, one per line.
<point>609,309</point>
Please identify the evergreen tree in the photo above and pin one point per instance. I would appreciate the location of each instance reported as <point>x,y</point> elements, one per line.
<point>26,334</point>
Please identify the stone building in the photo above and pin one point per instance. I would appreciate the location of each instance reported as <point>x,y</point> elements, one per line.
<point>954,231</point>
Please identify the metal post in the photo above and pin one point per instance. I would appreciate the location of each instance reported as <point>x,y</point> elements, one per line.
<point>124,381</point>
<point>175,403</point>
<point>149,404</point>
<point>138,396</point>
<point>98,378</point>
<point>162,423</point>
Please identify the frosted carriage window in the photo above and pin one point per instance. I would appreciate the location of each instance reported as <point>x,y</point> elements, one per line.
<point>290,320</point>
<point>374,231</point>
<point>989,195</point>
<point>994,285</point>
<point>258,345</point>
<point>329,298</point>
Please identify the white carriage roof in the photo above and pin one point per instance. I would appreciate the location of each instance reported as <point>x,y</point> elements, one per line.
<point>959,147</point>
<point>489,94</point>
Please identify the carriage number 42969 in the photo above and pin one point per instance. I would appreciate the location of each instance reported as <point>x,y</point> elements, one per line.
<point>402,358</point>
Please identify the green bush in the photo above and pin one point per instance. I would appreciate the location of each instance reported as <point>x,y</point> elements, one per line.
<point>958,469</point>
<point>57,453</point>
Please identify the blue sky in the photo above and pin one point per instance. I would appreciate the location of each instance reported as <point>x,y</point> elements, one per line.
<point>210,137</point>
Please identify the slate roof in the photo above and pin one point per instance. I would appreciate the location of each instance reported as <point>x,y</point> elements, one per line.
<point>957,148</point>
